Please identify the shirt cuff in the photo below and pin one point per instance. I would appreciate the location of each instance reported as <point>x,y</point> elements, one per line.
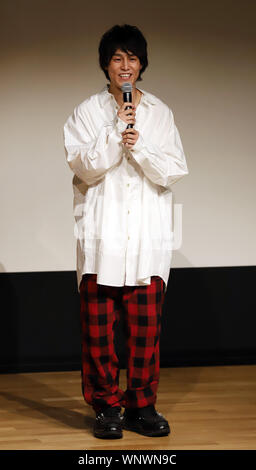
<point>120,124</point>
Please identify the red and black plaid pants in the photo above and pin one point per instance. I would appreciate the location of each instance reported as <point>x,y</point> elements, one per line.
<point>101,307</point>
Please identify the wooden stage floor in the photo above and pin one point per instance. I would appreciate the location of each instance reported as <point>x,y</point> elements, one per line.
<point>207,408</point>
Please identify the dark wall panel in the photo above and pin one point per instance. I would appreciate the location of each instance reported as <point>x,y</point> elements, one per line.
<point>208,318</point>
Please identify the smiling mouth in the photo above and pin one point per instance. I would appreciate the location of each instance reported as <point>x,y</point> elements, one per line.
<point>125,76</point>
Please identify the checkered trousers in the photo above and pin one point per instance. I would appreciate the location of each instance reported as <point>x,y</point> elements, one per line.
<point>101,308</point>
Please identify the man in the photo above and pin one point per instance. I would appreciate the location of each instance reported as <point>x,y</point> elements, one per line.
<point>122,207</point>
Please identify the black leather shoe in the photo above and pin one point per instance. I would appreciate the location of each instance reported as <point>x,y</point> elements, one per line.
<point>107,424</point>
<point>146,421</point>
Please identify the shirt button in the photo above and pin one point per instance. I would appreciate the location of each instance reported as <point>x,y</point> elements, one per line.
<point>128,184</point>
<point>128,212</point>
<point>128,238</point>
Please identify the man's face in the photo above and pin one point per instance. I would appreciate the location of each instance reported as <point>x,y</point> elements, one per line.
<point>123,67</point>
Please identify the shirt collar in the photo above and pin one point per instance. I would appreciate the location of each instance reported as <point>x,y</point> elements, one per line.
<point>146,97</point>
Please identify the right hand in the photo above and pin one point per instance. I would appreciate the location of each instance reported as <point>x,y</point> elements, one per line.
<point>127,115</point>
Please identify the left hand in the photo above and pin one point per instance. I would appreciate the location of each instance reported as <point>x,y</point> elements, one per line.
<point>130,137</point>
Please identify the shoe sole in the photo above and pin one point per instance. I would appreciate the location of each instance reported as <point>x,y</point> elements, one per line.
<point>157,433</point>
<point>101,436</point>
<point>108,434</point>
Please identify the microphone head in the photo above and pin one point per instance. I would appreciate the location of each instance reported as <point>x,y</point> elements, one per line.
<point>126,87</point>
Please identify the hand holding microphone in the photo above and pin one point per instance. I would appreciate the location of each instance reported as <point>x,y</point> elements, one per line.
<point>127,114</point>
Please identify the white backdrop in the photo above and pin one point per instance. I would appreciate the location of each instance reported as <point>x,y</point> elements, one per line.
<point>201,63</point>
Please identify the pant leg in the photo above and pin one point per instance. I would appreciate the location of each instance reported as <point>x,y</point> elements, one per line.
<point>143,308</point>
<point>100,315</point>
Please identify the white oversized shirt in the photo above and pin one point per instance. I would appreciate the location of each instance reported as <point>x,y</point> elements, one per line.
<point>123,197</point>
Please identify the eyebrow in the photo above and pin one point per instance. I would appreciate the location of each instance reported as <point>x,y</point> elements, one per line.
<point>120,55</point>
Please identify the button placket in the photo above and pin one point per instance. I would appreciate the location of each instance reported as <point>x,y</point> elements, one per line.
<point>128,212</point>
<point>127,234</point>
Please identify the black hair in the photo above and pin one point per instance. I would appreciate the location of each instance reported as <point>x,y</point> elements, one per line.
<point>124,37</point>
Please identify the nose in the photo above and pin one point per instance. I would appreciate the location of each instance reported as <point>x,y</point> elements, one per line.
<point>125,63</point>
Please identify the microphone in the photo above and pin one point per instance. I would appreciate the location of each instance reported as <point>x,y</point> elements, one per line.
<point>127,97</point>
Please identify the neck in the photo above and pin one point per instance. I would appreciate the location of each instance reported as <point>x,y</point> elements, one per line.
<point>118,94</point>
